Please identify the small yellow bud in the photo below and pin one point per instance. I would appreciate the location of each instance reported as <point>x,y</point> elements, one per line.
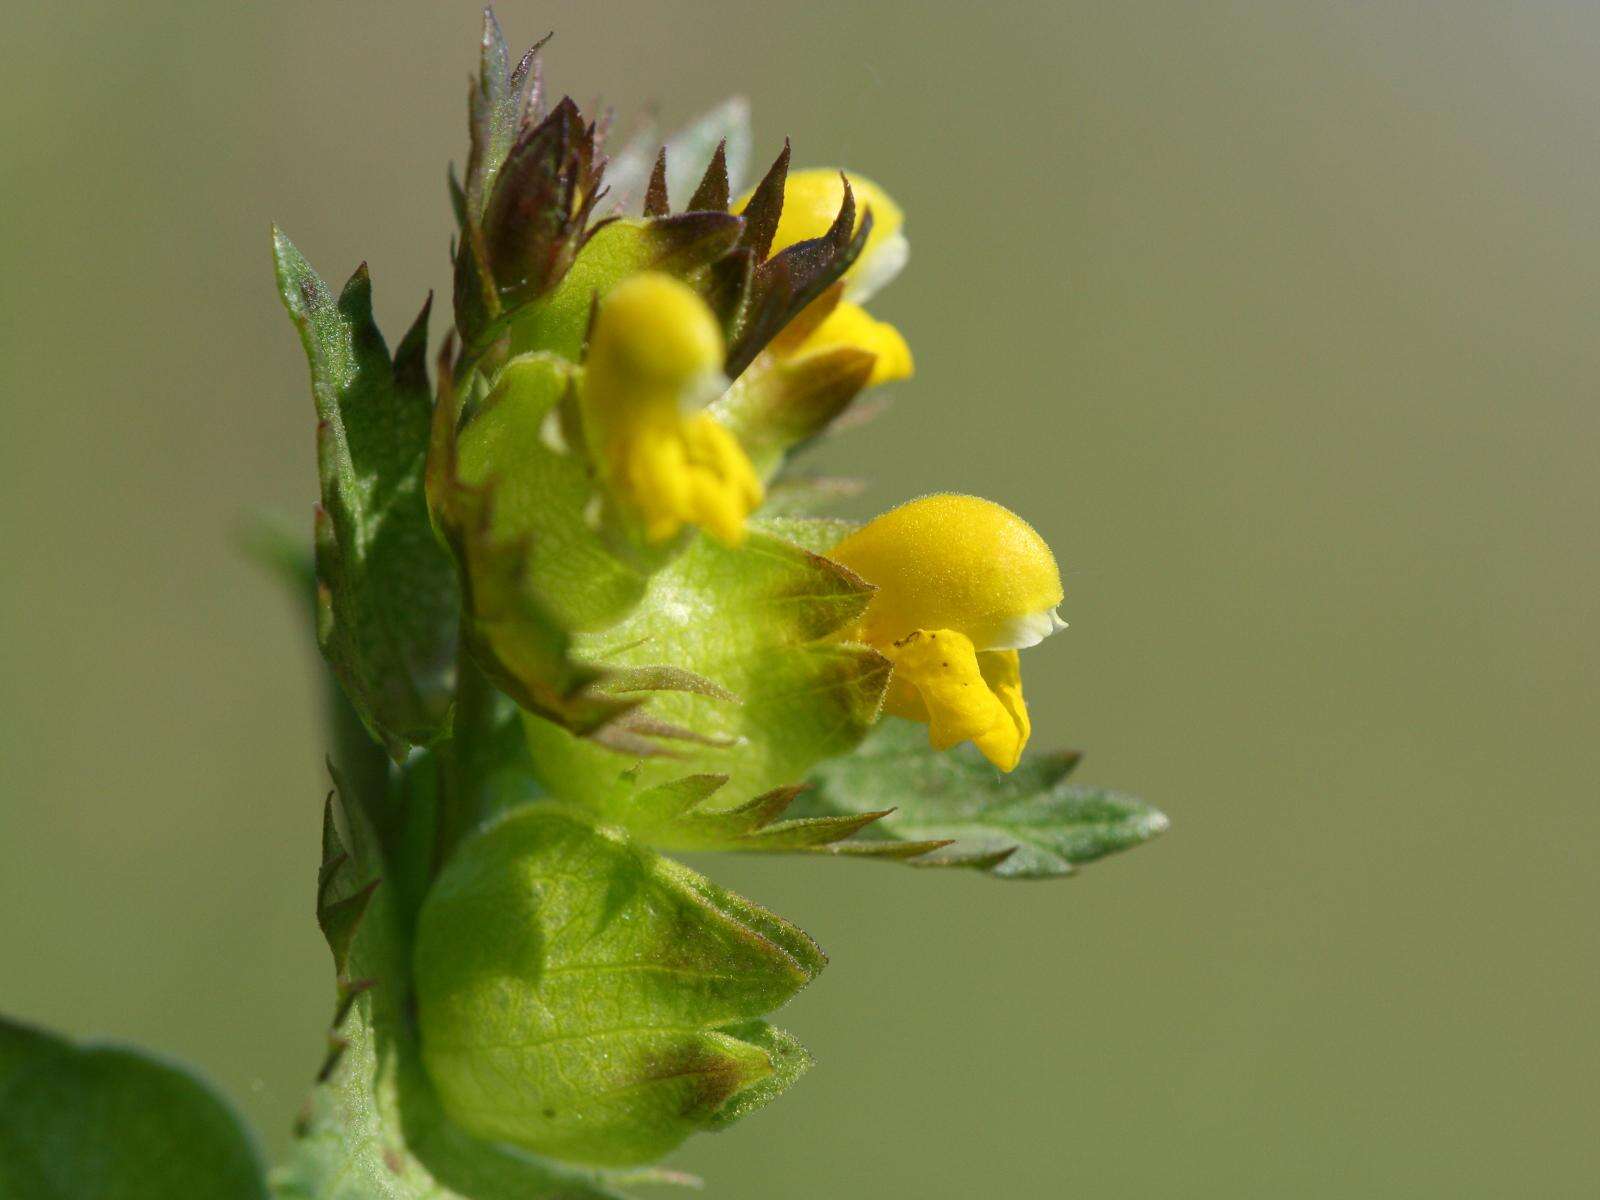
<point>962,585</point>
<point>811,200</point>
<point>654,359</point>
<point>850,325</point>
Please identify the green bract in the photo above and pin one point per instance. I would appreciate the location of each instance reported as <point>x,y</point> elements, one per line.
<point>563,637</point>
<point>784,692</point>
<point>586,998</point>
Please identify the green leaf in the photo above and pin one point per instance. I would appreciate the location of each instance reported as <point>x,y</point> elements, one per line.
<point>761,622</point>
<point>373,1125</point>
<point>499,100</point>
<point>1030,824</point>
<point>105,1122</point>
<point>386,593</point>
<point>584,997</point>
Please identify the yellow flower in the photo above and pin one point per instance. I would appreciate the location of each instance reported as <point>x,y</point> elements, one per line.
<point>655,359</point>
<point>850,325</point>
<point>811,200</point>
<point>963,584</point>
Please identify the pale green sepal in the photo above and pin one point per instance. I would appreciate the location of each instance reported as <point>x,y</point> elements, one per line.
<point>789,1059</point>
<point>816,534</point>
<point>544,491</point>
<point>777,404</point>
<point>508,629</point>
<point>808,495</point>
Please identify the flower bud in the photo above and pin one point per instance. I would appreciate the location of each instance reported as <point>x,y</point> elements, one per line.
<point>811,200</point>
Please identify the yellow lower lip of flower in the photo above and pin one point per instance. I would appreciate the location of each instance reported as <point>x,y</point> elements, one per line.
<point>654,347</point>
<point>962,694</point>
<point>851,326</point>
<point>688,471</point>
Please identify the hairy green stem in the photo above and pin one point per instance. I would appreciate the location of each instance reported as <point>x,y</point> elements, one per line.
<point>359,760</point>
<point>461,800</point>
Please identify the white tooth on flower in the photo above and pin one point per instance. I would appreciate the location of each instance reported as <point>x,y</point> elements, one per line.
<point>550,432</point>
<point>1027,630</point>
<point>871,272</point>
<point>702,391</point>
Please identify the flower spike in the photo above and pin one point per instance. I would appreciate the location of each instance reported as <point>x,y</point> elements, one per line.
<point>569,681</point>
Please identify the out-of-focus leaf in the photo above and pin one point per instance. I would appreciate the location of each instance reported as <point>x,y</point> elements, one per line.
<point>691,148</point>
<point>688,152</point>
<point>583,997</point>
<point>106,1122</point>
<point>779,404</point>
<point>1029,824</point>
<point>387,601</point>
<point>807,495</point>
<point>277,544</point>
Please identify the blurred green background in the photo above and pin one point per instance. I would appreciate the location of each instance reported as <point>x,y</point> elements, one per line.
<point>1278,319</point>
